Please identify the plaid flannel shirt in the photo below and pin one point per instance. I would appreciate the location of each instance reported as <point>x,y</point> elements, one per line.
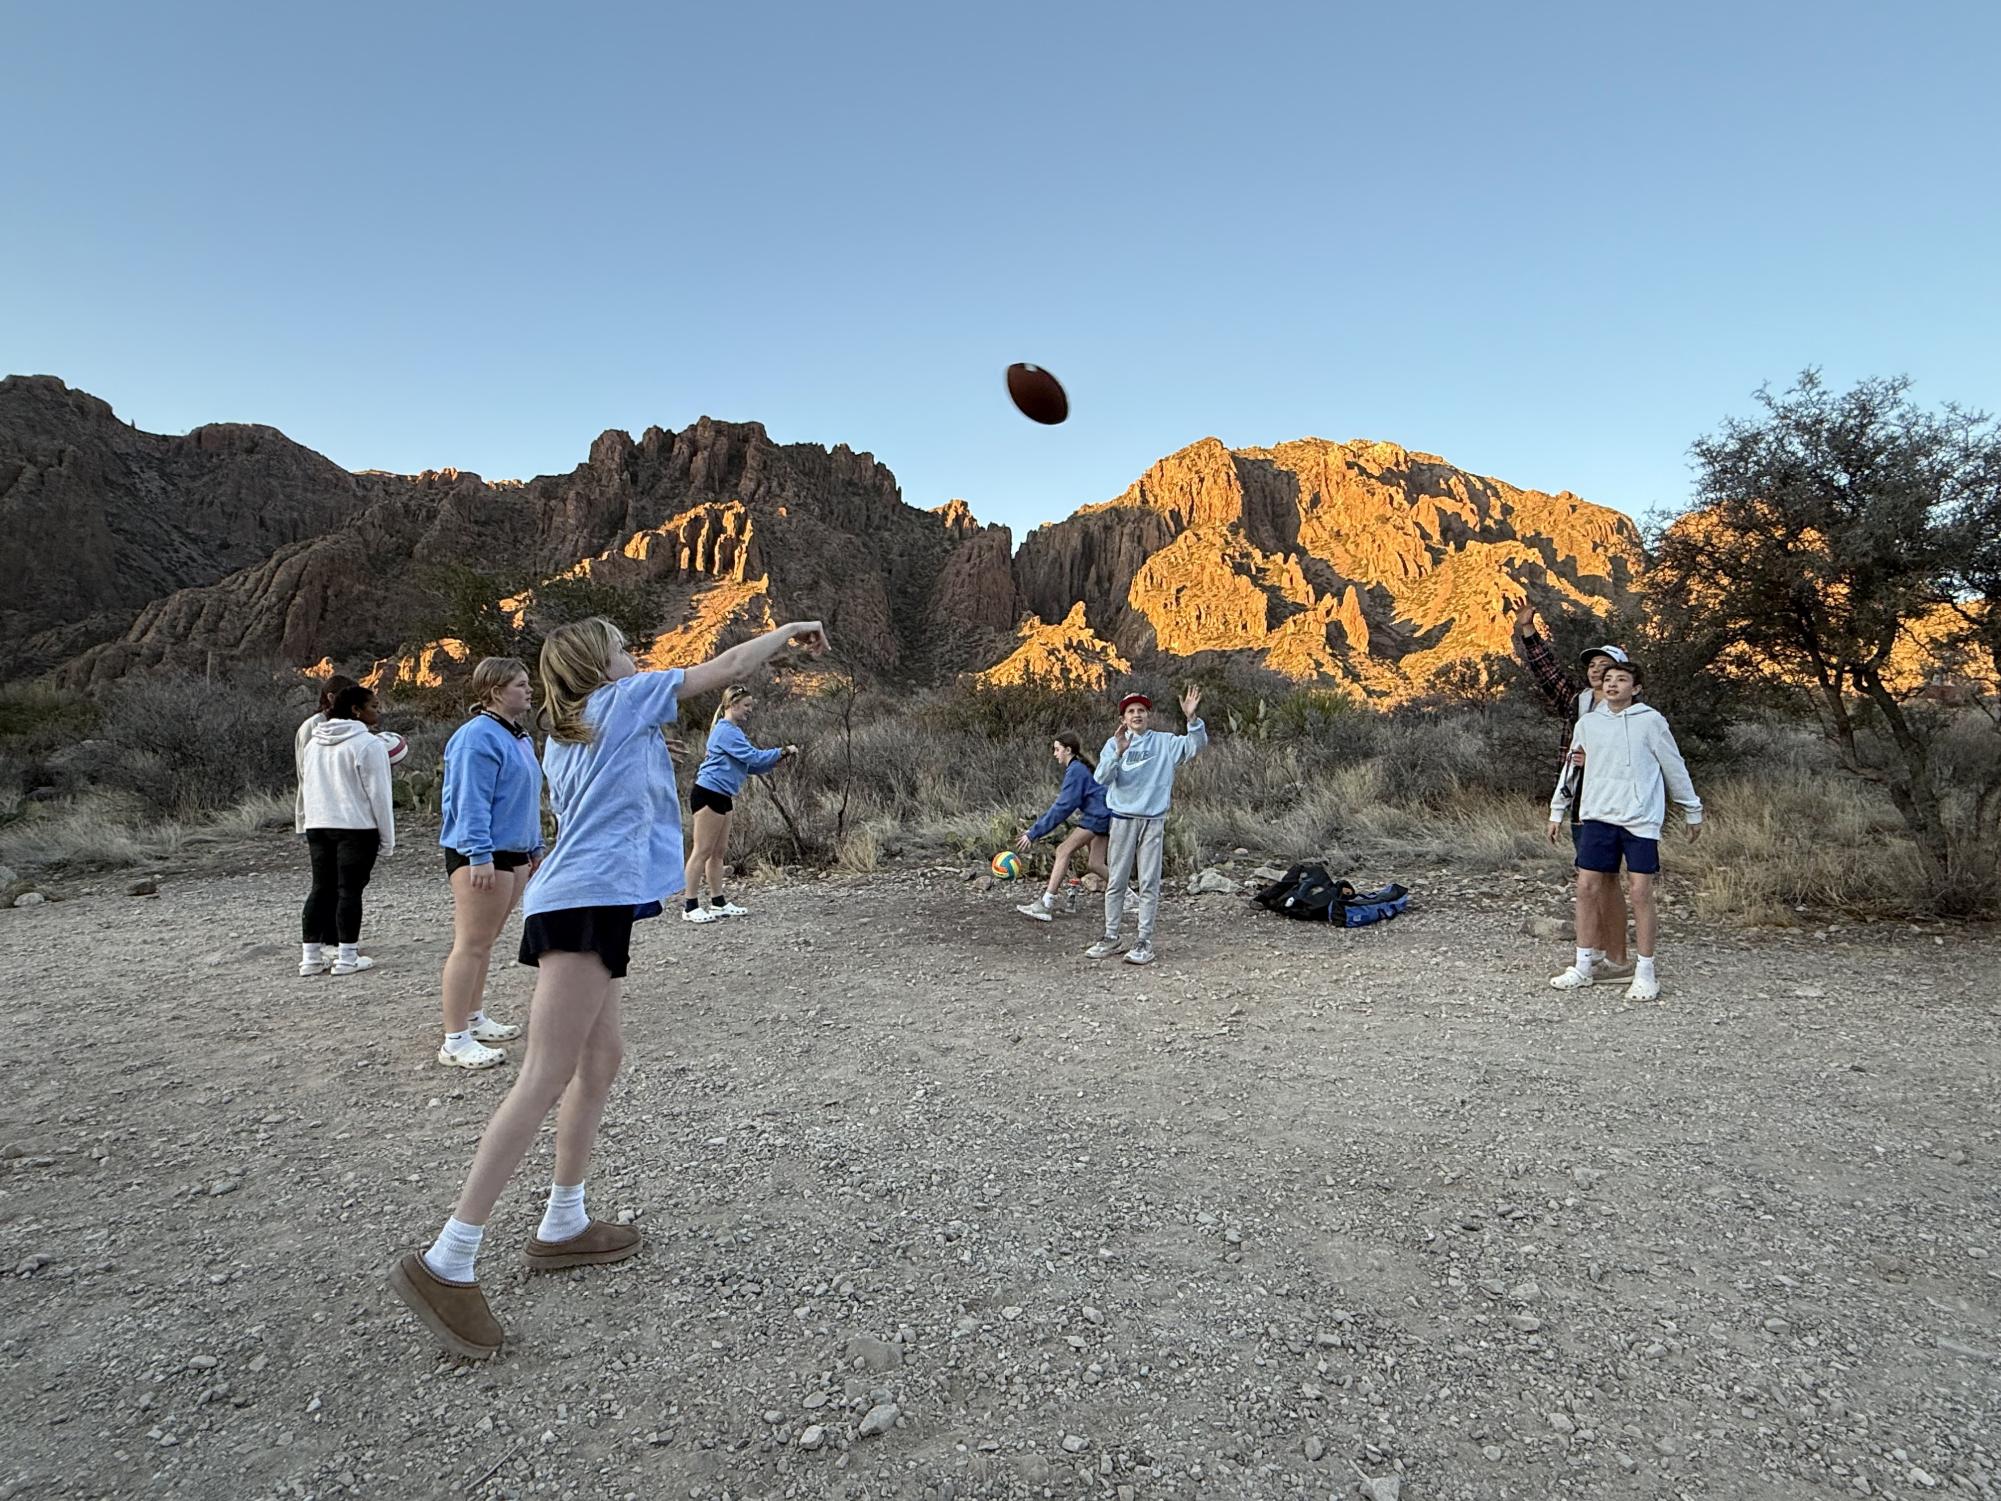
<point>1559,692</point>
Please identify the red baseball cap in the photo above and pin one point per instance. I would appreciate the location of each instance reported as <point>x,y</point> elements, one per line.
<point>1134,698</point>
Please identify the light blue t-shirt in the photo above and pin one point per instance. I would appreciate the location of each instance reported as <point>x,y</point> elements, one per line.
<point>618,815</point>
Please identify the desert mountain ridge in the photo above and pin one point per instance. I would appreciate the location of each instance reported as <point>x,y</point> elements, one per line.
<point>1360,563</point>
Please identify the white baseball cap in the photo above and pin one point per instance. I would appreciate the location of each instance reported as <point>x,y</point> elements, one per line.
<point>1615,653</point>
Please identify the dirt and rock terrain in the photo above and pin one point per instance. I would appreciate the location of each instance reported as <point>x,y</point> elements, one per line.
<point>938,1207</point>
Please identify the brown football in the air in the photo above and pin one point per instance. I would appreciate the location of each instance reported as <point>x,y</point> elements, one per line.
<point>1036,392</point>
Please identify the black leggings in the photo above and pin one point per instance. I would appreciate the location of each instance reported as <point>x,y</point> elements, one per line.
<point>342,861</point>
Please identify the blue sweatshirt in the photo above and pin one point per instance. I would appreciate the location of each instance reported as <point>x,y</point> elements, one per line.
<point>493,791</point>
<point>732,758</point>
<point>1140,784</point>
<point>1082,796</point>
<point>618,814</point>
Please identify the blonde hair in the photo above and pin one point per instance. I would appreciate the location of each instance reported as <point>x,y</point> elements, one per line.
<point>491,676</point>
<point>575,660</point>
<point>735,694</point>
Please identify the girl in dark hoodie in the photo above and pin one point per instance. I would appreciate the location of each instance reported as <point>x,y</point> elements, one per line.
<point>1082,795</point>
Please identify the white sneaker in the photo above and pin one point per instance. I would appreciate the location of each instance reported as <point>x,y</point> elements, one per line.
<point>1643,990</point>
<point>700,914</point>
<point>486,1029</point>
<point>730,909</point>
<point>1104,948</point>
<point>1140,953</point>
<point>476,1056</point>
<point>1039,909</point>
<point>1571,979</point>
<point>362,961</point>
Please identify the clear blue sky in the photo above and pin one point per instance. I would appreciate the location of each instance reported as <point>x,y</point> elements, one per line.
<point>1553,243</point>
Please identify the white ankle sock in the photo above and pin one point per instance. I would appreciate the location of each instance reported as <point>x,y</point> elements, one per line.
<point>1643,968</point>
<point>457,1041</point>
<point>349,952</point>
<point>452,1253</point>
<point>478,1016</point>
<point>311,953</point>
<point>1597,956</point>
<point>565,1215</point>
<point>1585,959</point>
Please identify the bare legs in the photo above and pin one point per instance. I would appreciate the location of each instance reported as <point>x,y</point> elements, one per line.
<point>574,1046</point>
<point>1646,914</point>
<point>705,853</point>
<point>477,920</point>
<point>1607,919</point>
<point>1094,861</point>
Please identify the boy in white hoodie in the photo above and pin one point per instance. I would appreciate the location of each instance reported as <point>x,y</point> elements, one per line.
<point>1632,769</point>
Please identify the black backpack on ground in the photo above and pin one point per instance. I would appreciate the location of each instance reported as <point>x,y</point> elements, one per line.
<point>1310,892</point>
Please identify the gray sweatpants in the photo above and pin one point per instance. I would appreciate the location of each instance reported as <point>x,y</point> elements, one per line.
<point>1144,837</point>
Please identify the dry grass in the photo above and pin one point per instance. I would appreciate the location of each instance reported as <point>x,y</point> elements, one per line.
<point>954,777</point>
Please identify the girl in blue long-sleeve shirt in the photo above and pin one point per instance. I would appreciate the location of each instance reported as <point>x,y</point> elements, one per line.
<point>1082,795</point>
<point>730,762</point>
<point>492,838</point>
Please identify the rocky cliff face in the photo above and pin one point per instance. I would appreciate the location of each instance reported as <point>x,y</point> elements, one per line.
<point>98,520</point>
<point>739,531</point>
<point>1361,562</point>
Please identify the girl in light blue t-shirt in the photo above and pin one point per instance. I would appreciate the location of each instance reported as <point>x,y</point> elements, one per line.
<point>616,859</point>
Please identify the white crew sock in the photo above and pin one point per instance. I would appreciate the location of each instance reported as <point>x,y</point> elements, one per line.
<point>1585,959</point>
<point>349,952</point>
<point>311,953</point>
<point>1597,956</point>
<point>565,1215</point>
<point>457,1042</point>
<point>451,1254</point>
<point>1643,967</point>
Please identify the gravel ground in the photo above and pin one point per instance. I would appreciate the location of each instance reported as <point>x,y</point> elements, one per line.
<point>937,1207</point>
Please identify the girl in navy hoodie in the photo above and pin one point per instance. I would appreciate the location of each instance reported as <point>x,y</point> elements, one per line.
<point>730,762</point>
<point>1083,796</point>
<point>492,838</point>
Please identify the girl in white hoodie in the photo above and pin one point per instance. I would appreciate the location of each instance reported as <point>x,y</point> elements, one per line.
<point>350,821</point>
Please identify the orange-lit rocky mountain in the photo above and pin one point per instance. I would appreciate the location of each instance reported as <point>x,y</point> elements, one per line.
<point>1358,563</point>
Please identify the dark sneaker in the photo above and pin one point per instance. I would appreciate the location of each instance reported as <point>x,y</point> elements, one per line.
<point>599,1244</point>
<point>454,1311</point>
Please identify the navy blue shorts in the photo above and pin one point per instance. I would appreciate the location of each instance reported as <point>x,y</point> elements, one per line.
<point>1601,846</point>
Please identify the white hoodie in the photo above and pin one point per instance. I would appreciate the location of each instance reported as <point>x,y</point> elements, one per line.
<point>1632,767</point>
<point>344,780</point>
<point>300,741</point>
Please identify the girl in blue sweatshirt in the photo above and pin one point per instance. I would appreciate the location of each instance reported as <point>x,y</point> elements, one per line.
<point>492,838</point>
<point>616,858</point>
<point>1082,795</point>
<point>730,762</point>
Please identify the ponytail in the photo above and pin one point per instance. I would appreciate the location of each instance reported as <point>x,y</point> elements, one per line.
<point>734,694</point>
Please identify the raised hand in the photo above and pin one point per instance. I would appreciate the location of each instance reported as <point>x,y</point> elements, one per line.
<point>1191,701</point>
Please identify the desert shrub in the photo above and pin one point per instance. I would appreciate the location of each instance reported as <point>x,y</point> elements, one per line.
<point>185,744</point>
<point>38,724</point>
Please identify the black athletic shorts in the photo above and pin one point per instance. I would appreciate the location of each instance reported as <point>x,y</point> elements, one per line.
<point>604,931</point>
<point>707,797</point>
<point>502,860</point>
